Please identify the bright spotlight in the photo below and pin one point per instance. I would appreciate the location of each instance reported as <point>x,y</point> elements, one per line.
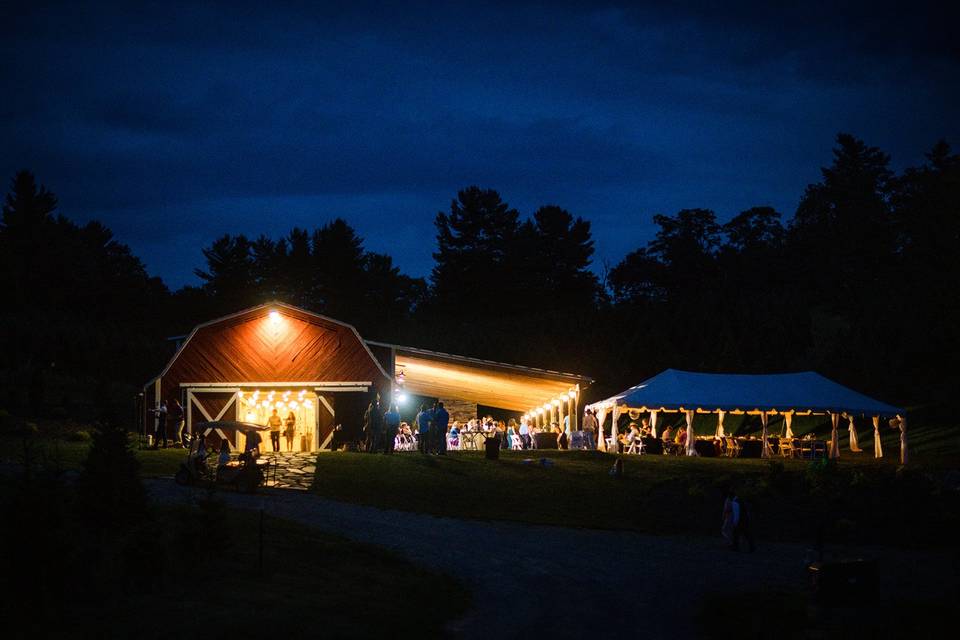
<point>401,398</point>
<point>274,316</point>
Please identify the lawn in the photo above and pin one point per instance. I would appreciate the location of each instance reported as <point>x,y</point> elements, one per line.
<point>859,499</point>
<point>69,455</point>
<point>792,500</point>
<point>198,575</point>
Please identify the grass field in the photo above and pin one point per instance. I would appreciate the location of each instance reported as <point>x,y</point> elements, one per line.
<point>212,586</point>
<point>792,500</point>
<point>859,499</point>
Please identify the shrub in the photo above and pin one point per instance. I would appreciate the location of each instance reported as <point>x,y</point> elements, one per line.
<point>81,435</point>
<point>820,477</point>
<point>110,493</point>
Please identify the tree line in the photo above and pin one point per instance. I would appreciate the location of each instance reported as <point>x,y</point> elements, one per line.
<point>860,283</point>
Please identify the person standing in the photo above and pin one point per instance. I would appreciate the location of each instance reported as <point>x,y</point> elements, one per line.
<point>175,416</point>
<point>438,429</point>
<point>290,429</point>
<point>423,429</point>
<point>727,524</point>
<point>524,433</point>
<point>741,524</point>
<point>274,422</point>
<point>376,426</point>
<point>590,428</point>
<point>391,426</point>
<point>161,432</point>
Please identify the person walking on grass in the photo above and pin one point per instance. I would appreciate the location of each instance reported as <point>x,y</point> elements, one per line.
<point>275,422</point>
<point>727,524</point>
<point>741,523</point>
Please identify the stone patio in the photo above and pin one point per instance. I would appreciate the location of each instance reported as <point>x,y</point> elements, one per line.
<point>294,470</point>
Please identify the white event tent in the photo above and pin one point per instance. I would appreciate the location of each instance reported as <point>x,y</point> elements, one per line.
<point>786,394</point>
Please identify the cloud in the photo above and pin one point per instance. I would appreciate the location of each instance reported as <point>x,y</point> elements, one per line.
<point>176,123</point>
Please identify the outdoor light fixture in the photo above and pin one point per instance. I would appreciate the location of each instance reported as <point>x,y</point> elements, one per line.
<point>274,316</point>
<point>402,398</point>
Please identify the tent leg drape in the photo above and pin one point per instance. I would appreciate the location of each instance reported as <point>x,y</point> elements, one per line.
<point>720,433</point>
<point>877,447</point>
<point>601,440</point>
<point>788,420</point>
<point>614,429</point>
<point>854,444</point>
<point>903,439</point>
<point>653,424</point>
<point>691,439</point>
<point>766,452</point>
<point>834,441</point>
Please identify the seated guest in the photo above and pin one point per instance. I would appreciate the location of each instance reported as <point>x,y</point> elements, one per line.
<point>633,433</point>
<point>682,436</point>
<point>667,434</point>
<point>455,429</point>
<point>645,428</point>
<point>224,456</point>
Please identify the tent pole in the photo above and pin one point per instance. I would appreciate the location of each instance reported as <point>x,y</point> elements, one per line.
<point>903,439</point>
<point>877,447</point>
<point>766,443</point>
<point>691,439</point>
<point>834,444</point>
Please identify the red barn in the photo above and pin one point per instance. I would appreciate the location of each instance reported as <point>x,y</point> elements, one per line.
<point>275,356</point>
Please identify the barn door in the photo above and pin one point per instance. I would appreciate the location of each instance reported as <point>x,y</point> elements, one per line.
<point>326,419</point>
<point>210,407</point>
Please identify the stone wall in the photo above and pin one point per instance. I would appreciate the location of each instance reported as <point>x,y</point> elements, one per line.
<point>459,409</point>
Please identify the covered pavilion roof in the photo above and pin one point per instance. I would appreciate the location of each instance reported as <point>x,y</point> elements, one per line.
<point>485,382</point>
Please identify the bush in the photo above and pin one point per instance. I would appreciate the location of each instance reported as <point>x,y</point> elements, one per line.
<point>81,435</point>
<point>821,477</point>
<point>109,490</point>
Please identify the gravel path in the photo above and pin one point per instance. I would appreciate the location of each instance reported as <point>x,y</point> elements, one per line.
<point>548,581</point>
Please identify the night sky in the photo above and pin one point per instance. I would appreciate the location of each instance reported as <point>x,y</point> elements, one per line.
<point>175,123</point>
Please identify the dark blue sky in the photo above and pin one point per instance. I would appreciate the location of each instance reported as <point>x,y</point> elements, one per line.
<point>175,123</point>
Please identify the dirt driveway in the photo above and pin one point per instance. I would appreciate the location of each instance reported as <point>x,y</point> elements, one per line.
<point>553,582</point>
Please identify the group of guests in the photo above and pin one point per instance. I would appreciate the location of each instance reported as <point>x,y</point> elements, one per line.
<point>672,440</point>
<point>168,417</point>
<point>289,425</point>
<point>383,430</point>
